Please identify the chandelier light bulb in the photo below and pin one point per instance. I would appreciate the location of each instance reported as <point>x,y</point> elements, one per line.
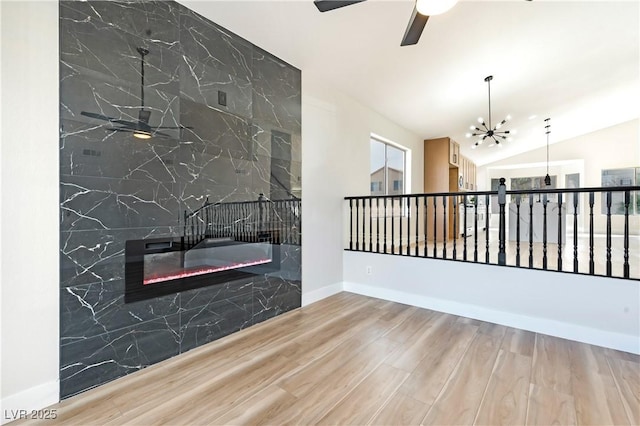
<point>480,120</point>
<point>508,117</point>
<point>434,7</point>
<point>468,135</point>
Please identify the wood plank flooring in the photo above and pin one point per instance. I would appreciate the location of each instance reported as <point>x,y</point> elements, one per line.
<point>355,360</point>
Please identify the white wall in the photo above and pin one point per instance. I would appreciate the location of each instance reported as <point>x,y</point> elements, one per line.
<point>595,310</point>
<point>29,274</point>
<point>335,163</point>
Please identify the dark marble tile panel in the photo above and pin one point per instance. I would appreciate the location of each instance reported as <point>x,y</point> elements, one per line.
<point>277,92</point>
<point>196,298</point>
<point>204,84</point>
<point>215,320</point>
<point>209,44</point>
<point>90,92</point>
<point>214,132</point>
<point>97,256</point>
<point>211,171</point>
<point>155,22</point>
<point>97,360</point>
<point>286,179</point>
<point>274,296</point>
<point>290,262</point>
<point>98,203</point>
<point>90,150</point>
<point>114,54</point>
<point>272,141</point>
<point>194,196</point>
<point>94,309</point>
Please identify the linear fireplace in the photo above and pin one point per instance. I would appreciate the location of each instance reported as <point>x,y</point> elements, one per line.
<point>222,242</point>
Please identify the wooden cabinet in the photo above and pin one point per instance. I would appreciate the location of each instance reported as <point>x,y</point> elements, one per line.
<point>446,170</point>
<point>466,175</point>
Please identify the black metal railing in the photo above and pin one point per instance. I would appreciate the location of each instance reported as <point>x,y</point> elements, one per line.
<point>276,221</point>
<point>575,227</point>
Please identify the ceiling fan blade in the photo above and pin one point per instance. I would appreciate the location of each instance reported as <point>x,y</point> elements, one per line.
<point>414,29</point>
<point>172,127</point>
<point>326,5</point>
<point>109,119</point>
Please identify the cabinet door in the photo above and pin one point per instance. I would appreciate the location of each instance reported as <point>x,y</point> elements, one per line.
<point>454,153</point>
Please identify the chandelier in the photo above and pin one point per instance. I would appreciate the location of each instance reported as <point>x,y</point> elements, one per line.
<point>484,130</point>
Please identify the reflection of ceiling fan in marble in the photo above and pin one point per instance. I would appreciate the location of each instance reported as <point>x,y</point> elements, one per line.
<point>140,128</point>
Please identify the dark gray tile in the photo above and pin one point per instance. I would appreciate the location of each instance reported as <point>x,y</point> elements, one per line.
<point>98,256</point>
<point>196,298</point>
<point>274,296</point>
<point>91,362</point>
<point>100,203</point>
<point>94,309</point>
<point>215,320</point>
<point>209,44</point>
<point>277,92</point>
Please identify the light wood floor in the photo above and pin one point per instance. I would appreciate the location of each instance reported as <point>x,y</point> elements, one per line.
<point>351,359</point>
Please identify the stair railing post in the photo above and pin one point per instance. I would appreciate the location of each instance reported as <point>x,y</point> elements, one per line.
<point>502,201</point>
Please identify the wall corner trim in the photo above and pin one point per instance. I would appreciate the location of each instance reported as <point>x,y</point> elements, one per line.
<point>322,293</point>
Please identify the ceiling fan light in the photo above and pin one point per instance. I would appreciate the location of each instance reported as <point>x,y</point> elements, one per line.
<point>141,134</point>
<point>434,7</point>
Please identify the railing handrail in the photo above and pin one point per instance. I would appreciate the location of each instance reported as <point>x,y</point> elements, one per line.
<point>510,191</point>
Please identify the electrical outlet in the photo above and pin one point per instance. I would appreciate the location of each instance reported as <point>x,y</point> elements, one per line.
<point>369,270</point>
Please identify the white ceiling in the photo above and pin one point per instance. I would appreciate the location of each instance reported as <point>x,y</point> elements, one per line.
<point>576,62</point>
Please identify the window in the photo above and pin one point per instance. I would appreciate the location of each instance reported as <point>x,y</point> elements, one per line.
<point>621,177</point>
<point>533,182</point>
<point>388,168</point>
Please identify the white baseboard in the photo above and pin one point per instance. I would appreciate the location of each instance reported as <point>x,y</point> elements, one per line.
<point>321,293</point>
<point>608,339</point>
<point>29,402</point>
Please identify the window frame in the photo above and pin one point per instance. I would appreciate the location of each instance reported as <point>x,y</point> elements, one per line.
<point>404,182</point>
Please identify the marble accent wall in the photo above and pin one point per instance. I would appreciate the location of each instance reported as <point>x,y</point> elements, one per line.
<point>115,187</point>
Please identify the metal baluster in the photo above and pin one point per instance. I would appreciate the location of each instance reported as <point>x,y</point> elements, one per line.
<point>417,225</point>
<point>502,201</point>
<point>475,229</point>
<point>370,227</point>
<point>518,200</point>
<point>591,263</point>
<point>408,226</point>
<point>575,232</point>
<point>464,229</point>
<point>425,212</point>
<point>486,232</point>
<point>357,224</point>
<point>608,233</point>
<point>435,227</point>
<point>444,227</point>
<point>377,225</point>
<point>625,267</point>
<point>455,225</point>
<point>560,234</point>
<point>530,230</point>
<point>400,203</point>
<point>544,231</point>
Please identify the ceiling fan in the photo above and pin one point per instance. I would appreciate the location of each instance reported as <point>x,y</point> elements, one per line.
<point>419,17</point>
<point>140,128</point>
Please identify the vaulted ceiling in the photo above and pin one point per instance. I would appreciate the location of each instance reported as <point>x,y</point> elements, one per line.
<point>574,61</point>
